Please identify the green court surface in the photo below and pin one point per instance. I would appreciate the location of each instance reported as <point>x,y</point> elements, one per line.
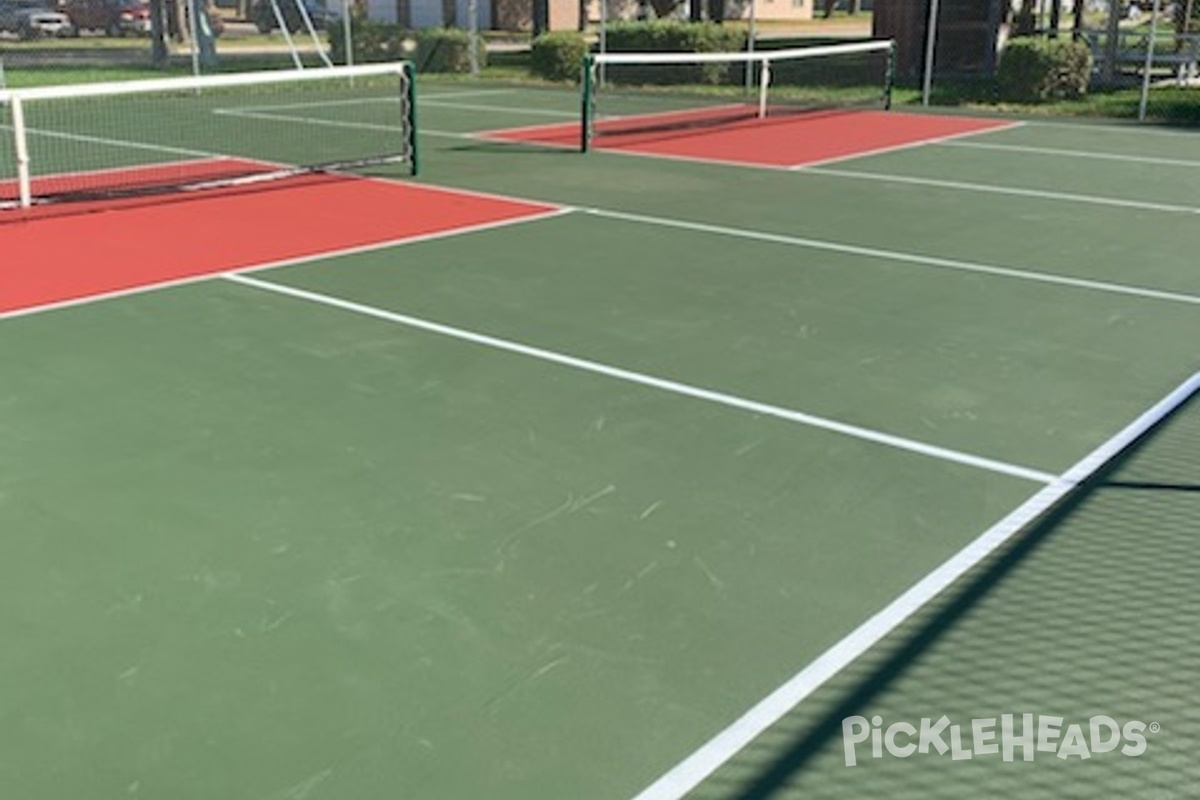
<point>538,510</point>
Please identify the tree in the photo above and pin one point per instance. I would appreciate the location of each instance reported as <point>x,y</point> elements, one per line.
<point>1186,14</point>
<point>1112,39</point>
<point>852,7</point>
<point>158,33</point>
<point>1025,18</point>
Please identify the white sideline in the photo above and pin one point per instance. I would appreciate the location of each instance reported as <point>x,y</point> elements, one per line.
<point>907,258</point>
<point>643,379</point>
<point>703,762</point>
<point>1064,153</point>
<point>988,188</point>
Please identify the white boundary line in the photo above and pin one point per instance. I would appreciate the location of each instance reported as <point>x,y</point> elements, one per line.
<point>1116,127</point>
<point>356,101</point>
<point>695,768</point>
<point>643,379</point>
<point>816,168</point>
<point>907,258</point>
<point>535,112</point>
<point>897,148</point>
<point>287,262</point>
<point>327,123</point>
<point>472,93</point>
<point>1059,152</point>
<point>819,167</point>
<point>988,188</point>
<point>502,134</point>
<point>126,144</point>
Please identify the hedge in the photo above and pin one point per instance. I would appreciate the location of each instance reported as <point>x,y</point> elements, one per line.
<point>674,36</point>
<point>1034,70</point>
<point>558,56</point>
<point>431,49</point>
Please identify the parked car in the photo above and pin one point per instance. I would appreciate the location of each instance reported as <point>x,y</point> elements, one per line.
<point>264,15</point>
<point>114,17</point>
<point>30,19</point>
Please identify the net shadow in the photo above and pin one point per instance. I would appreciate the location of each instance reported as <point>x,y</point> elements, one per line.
<point>1025,624</point>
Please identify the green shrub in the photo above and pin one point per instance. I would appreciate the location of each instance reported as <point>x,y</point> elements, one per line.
<point>558,56</point>
<point>1034,70</point>
<point>674,36</point>
<point>446,50</point>
<point>431,49</point>
<point>373,42</point>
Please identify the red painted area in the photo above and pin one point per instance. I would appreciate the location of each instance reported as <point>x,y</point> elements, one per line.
<point>782,141</point>
<point>52,259</point>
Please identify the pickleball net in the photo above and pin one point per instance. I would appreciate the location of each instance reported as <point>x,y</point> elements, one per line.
<point>626,94</point>
<point>120,139</point>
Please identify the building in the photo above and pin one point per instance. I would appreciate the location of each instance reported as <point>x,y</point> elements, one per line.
<point>563,14</point>
<point>432,13</point>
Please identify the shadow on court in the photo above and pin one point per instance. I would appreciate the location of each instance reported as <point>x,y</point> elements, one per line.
<point>1129,533</point>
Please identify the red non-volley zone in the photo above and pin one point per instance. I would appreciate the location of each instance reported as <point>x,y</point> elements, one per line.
<point>791,140</point>
<point>127,245</point>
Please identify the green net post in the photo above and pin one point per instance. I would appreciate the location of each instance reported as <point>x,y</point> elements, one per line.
<point>589,103</point>
<point>410,111</point>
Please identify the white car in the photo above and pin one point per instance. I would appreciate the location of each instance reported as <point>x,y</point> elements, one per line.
<point>30,19</point>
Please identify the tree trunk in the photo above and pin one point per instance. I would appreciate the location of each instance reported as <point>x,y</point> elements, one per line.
<point>829,4</point>
<point>158,33</point>
<point>1025,18</point>
<point>1111,41</point>
<point>541,16</point>
<point>1183,16</point>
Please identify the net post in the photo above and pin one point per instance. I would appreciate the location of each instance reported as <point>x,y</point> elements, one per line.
<point>764,83</point>
<point>24,189</point>
<point>587,110</point>
<point>408,72</point>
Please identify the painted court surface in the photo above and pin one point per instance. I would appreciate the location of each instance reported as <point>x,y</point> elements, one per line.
<point>819,137</point>
<point>256,228</point>
<point>565,476</point>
